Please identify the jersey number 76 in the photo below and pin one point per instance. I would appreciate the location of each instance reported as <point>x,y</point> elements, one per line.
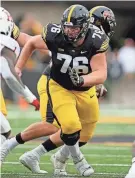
<point>76,63</point>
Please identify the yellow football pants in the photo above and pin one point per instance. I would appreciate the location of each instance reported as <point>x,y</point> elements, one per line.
<point>75,110</point>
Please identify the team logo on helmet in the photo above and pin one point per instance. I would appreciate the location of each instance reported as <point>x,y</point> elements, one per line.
<point>107,14</point>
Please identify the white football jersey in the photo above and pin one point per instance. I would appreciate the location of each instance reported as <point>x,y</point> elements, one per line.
<point>6,41</point>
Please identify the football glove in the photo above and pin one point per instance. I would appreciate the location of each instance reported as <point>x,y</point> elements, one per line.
<point>101,91</point>
<point>75,78</point>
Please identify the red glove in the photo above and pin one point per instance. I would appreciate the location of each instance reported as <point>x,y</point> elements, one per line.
<point>36,104</point>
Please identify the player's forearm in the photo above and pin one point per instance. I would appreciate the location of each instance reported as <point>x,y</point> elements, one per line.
<point>12,79</point>
<point>95,78</point>
<point>23,39</point>
<point>20,89</point>
<point>16,85</point>
<point>24,56</point>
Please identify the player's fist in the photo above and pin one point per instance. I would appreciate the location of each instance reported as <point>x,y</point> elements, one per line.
<point>101,90</point>
<point>75,78</point>
<point>36,104</point>
<point>18,71</point>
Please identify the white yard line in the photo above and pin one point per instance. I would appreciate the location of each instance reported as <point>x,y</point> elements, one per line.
<point>48,163</point>
<point>83,148</point>
<point>91,155</point>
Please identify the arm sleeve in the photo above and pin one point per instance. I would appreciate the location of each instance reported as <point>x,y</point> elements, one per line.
<point>14,82</point>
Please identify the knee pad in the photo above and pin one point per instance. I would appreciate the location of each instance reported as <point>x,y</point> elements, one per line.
<point>82,144</point>
<point>6,134</point>
<point>70,139</point>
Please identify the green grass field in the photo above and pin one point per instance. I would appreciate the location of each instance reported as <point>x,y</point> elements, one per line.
<point>108,160</point>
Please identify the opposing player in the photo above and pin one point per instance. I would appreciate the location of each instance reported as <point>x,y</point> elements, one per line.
<point>9,49</point>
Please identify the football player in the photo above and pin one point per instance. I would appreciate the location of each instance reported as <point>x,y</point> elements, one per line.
<point>75,70</point>
<point>78,64</point>
<point>101,17</point>
<point>10,37</point>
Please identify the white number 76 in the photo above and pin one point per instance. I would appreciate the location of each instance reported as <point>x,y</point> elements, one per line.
<point>79,68</point>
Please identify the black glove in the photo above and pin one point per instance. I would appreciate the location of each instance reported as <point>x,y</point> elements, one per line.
<point>101,91</point>
<point>75,78</point>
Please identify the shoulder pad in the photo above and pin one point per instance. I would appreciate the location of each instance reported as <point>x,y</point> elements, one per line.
<point>50,31</point>
<point>15,32</point>
<point>10,43</point>
<point>100,40</point>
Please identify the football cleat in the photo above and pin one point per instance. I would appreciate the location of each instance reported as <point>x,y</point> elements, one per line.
<point>59,167</point>
<point>84,168</point>
<point>30,161</point>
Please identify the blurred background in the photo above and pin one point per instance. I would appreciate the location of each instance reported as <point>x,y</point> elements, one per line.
<point>119,104</point>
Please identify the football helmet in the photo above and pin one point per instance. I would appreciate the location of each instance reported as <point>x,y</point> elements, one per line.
<point>6,22</point>
<point>103,18</point>
<point>75,23</point>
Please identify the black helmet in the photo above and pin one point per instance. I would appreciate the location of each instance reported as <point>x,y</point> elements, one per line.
<point>104,18</point>
<point>73,17</point>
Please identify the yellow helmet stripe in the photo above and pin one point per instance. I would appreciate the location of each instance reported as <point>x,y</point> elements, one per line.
<point>94,9</point>
<point>70,13</point>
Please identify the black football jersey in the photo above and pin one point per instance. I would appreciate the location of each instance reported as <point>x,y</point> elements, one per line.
<point>65,54</point>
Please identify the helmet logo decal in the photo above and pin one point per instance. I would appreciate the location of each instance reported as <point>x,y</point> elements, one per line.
<point>106,14</point>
